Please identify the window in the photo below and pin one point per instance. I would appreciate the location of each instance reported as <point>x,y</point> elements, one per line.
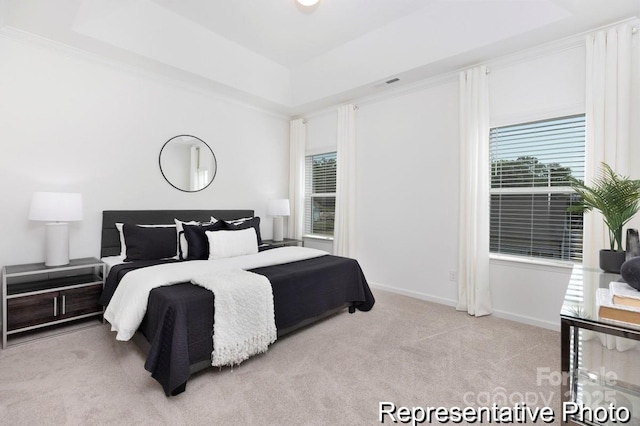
<point>320,194</point>
<point>530,193</point>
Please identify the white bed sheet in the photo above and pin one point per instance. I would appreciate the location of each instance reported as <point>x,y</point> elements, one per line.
<point>129,302</point>
<point>111,261</point>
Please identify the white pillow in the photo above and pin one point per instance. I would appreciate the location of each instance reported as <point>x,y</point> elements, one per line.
<point>231,243</point>
<point>123,244</point>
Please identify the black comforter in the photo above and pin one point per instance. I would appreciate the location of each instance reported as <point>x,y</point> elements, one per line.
<point>179,319</point>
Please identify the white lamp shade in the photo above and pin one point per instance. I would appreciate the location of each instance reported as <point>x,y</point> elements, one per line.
<point>308,2</point>
<point>278,208</point>
<point>56,207</point>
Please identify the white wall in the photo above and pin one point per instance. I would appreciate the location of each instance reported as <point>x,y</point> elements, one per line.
<point>407,190</point>
<point>408,180</point>
<point>549,85</point>
<point>322,132</point>
<point>541,87</point>
<point>408,183</point>
<point>72,123</point>
<point>322,136</point>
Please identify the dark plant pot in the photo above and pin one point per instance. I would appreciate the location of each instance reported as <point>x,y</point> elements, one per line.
<point>611,261</point>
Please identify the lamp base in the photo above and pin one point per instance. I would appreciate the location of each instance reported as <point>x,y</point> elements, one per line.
<point>277,228</point>
<point>57,244</point>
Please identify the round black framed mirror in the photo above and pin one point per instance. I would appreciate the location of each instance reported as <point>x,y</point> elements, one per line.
<point>187,163</point>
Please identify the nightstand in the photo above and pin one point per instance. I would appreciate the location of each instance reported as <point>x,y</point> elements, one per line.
<point>269,244</point>
<point>36,296</point>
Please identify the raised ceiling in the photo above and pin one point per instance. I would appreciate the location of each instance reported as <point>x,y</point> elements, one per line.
<point>280,55</point>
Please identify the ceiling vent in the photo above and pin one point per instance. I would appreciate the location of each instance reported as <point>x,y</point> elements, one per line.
<point>393,80</point>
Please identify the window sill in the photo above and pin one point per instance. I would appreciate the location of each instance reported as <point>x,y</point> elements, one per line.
<point>529,262</point>
<point>318,237</point>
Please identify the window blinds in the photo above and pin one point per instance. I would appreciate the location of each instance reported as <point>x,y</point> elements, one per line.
<point>530,192</point>
<point>320,193</point>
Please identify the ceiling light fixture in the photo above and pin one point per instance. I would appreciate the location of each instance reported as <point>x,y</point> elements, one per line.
<point>308,2</point>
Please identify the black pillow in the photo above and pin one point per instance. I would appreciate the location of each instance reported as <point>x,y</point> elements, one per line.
<point>149,243</point>
<point>251,223</point>
<point>197,241</point>
<point>630,271</point>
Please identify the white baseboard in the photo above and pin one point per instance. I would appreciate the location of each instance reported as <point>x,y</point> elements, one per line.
<point>528,320</point>
<point>415,294</point>
<point>450,302</point>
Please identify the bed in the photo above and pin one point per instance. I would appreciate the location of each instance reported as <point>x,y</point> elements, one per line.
<point>177,326</point>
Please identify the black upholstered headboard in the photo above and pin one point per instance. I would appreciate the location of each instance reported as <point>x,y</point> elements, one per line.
<point>110,243</point>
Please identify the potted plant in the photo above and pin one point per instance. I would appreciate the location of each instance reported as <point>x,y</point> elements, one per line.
<point>617,198</point>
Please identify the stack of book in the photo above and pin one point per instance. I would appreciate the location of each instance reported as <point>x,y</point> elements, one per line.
<point>620,302</point>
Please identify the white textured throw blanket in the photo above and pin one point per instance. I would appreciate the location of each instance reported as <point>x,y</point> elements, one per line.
<point>244,320</point>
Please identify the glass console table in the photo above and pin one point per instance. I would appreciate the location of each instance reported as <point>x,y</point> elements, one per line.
<point>600,358</point>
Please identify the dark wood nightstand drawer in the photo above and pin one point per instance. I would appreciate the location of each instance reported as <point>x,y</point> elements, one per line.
<point>32,310</point>
<point>80,301</point>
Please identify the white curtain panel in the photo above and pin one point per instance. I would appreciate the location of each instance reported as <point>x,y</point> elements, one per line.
<point>344,228</point>
<point>608,108</point>
<point>608,114</point>
<point>474,289</point>
<point>297,147</point>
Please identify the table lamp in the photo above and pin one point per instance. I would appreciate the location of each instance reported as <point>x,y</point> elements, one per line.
<point>278,209</point>
<point>56,208</point>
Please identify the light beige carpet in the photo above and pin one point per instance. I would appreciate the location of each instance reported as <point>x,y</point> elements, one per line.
<point>406,351</point>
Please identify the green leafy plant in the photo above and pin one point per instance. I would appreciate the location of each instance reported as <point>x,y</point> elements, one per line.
<point>616,197</point>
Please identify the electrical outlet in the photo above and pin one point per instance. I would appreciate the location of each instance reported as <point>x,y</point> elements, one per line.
<point>452,276</point>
